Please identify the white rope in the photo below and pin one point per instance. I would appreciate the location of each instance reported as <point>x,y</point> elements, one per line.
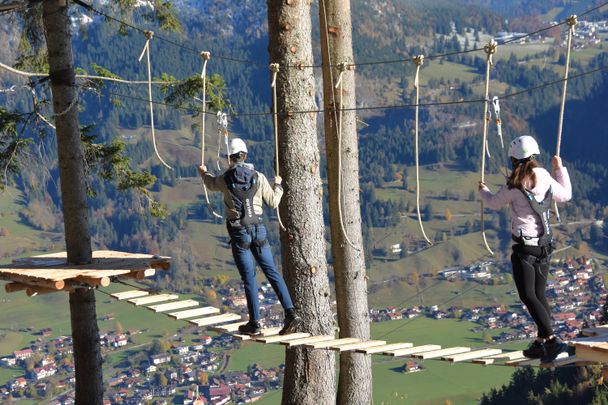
<point>274,69</point>
<point>571,21</point>
<point>206,56</point>
<point>340,88</point>
<point>9,90</point>
<point>222,128</point>
<point>418,60</point>
<point>490,50</point>
<point>149,35</point>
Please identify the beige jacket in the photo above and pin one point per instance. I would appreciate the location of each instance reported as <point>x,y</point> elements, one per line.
<point>271,195</point>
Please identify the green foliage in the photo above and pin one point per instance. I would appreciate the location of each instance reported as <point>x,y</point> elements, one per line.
<point>182,92</point>
<point>12,144</point>
<point>164,14</point>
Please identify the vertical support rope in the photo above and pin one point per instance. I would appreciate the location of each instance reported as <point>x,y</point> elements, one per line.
<point>418,61</point>
<point>342,67</point>
<point>571,22</point>
<point>149,35</point>
<point>274,69</point>
<point>222,128</point>
<point>206,56</point>
<point>490,50</point>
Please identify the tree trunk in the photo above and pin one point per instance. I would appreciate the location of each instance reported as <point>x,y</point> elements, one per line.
<point>355,383</point>
<point>310,374</point>
<point>85,333</point>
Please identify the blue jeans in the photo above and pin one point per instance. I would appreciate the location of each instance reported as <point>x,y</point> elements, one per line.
<point>247,246</point>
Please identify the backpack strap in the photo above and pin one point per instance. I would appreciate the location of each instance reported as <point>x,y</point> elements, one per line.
<point>242,193</point>
<point>543,210</point>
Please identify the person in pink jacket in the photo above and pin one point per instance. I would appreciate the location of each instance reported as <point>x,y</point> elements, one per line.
<point>529,192</point>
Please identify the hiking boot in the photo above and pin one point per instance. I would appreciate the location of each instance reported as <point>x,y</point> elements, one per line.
<point>553,348</point>
<point>291,324</point>
<point>251,328</point>
<point>535,350</point>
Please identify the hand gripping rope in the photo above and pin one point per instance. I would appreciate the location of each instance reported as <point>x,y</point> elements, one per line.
<point>206,56</point>
<point>342,67</point>
<point>222,129</point>
<point>149,35</point>
<point>571,22</point>
<point>490,50</point>
<point>274,69</point>
<point>418,61</point>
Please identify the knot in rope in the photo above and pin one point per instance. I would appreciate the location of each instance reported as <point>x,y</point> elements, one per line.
<point>342,67</point>
<point>149,34</point>
<point>490,49</point>
<point>274,68</point>
<point>572,20</point>
<point>206,55</point>
<point>222,120</point>
<point>418,61</point>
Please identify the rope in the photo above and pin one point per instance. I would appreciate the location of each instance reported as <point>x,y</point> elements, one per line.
<point>149,35</point>
<point>418,60</point>
<point>222,127</point>
<point>490,50</point>
<point>206,56</point>
<point>571,21</point>
<point>339,85</point>
<point>274,68</point>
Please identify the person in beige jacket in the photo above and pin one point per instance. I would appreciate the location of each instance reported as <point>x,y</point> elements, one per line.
<point>245,190</point>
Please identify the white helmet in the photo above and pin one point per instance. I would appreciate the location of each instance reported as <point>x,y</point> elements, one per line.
<point>523,147</point>
<point>237,145</point>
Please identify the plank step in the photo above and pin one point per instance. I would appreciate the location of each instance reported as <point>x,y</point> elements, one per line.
<point>308,340</point>
<point>506,356</point>
<point>125,295</point>
<point>384,348</point>
<point>228,328</point>
<point>441,352</point>
<point>191,313</point>
<point>455,358</point>
<point>282,338</point>
<point>173,305</point>
<point>567,361</point>
<point>412,350</point>
<point>359,345</point>
<point>213,320</point>
<point>152,299</point>
<point>328,343</point>
<point>264,332</point>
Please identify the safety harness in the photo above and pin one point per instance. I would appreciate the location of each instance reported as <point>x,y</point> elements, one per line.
<point>542,210</point>
<point>242,183</point>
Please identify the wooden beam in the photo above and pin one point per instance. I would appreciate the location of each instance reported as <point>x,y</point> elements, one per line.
<point>359,345</point>
<point>98,281</point>
<point>125,295</point>
<point>328,343</point>
<point>570,360</point>
<point>173,305</point>
<point>228,328</point>
<point>192,313</point>
<point>213,320</point>
<point>591,354</point>
<point>522,362</point>
<point>139,274</point>
<point>441,352</point>
<point>14,287</point>
<point>152,299</point>
<point>507,356</point>
<point>281,338</point>
<point>263,332</point>
<point>307,340</point>
<point>384,348</point>
<point>412,350</point>
<point>34,281</point>
<point>484,361</point>
<point>455,358</point>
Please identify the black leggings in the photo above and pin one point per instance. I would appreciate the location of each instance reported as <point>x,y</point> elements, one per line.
<point>530,269</point>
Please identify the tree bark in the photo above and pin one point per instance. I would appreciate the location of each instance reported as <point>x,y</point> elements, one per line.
<point>355,381</point>
<point>310,374</point>
<point>85,333</point>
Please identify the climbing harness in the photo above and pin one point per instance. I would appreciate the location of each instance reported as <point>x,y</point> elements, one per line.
<point>274,69</point>
<point>342,67</point>
<point>418,61</point>
<point>149,35</point>
<point>222,129</point>
<point>206,56</point>
<point>571,22</point>
<point>490,50</point>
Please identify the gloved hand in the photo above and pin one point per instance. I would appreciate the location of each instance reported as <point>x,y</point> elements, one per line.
<point>278,180</point>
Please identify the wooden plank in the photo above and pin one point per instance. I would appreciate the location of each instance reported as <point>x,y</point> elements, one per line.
<point>570,360</point>
<point>384,348</point>
<point>14,287</point>
<point>311,339</point>
<point>412,350</point>
<point>98,281</point>
<point>589,354</point>
<point>263,332</point>
<point>507,355</point>
<point>522,362</point>
<point>228,328</point>
<point>173,305</point>
<point>485,361</point>
<point>125,295</point>
<point>359,345</point>
<point>213,320</point>
<point>328,343</point>
<point>152,299</point>
<point>455,358</point>
<point>191,313</point>
<point>281,338</point>
<point>32,280</point>
<point>433,354</point>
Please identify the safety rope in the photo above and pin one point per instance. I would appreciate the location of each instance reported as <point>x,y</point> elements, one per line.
<point>418,61</point>
<point>206,56</point>
<point>274,69</point>
<point>571,21</point>
<point>222,129</point>
<point>149,35</point>
<point>490,50</point>
<point>342,67</point>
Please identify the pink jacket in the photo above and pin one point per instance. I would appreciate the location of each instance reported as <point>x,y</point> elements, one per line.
<point>524,222</point>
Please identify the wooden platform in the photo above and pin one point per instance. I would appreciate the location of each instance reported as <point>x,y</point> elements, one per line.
<point>50,272</point>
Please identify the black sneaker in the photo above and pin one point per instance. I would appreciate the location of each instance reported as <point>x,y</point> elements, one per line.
<point>291,324</point>
<point>553,348</point>
<point>251,328</point>
<point>535,350</point>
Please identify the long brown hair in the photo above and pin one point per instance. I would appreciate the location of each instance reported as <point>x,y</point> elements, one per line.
<point>523,172</point>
